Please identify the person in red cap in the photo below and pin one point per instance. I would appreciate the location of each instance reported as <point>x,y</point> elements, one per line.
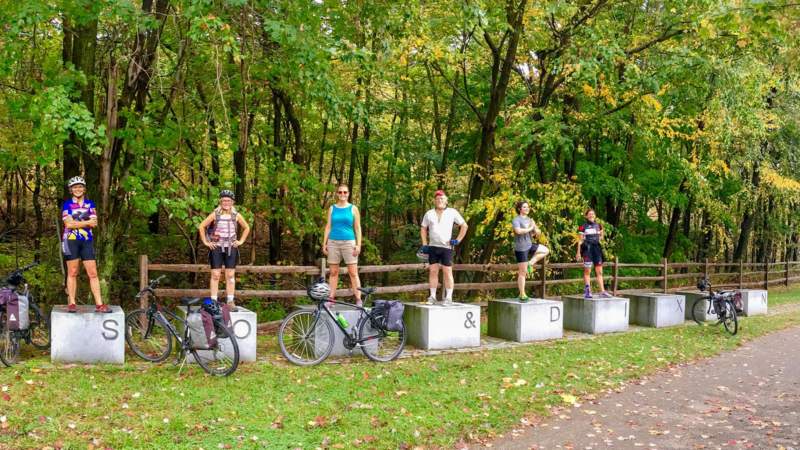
<point>437,239</point>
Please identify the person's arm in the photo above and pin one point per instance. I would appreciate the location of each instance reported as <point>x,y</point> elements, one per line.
<point>326,233</point>
<point>578,250</point>
<point>462,231</point>
<point>423,230</point>
<point>245,230</point>
<point>357,229</point>
<point>518,230</point>
<point>202,230</point>
<point>533,228</point>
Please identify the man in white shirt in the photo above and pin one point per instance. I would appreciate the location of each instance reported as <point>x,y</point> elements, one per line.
<point>437,238</point>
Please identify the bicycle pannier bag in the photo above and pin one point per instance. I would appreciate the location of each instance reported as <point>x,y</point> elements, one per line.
<point>16,309</point>
<point>392,313</point>
<point>201,329</point>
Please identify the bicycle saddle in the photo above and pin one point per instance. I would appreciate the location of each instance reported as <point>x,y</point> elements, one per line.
<point>189,301</point>
<point>368,290</point>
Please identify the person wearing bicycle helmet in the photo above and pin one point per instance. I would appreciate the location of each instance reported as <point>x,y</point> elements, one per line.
<point>341,241</point>
<point>218,232</point>
<point>77,243</point>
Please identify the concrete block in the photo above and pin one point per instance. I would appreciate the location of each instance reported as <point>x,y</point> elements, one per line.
<point>535,320</point>
<point>435,327</point>
<point>595,315</point>
<point>754,301</point>
<point>657,310</point>
<point>86,336</point>
<point>244,324</point>
<point>691,296</point>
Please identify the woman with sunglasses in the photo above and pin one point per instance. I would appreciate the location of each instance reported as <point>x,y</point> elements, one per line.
<point>342,241</point>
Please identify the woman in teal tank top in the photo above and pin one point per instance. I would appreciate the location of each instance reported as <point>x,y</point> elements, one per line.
<point>342,241</point>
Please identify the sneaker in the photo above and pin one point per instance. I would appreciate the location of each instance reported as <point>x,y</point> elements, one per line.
<point>102,309</point>
<point>587,292</point>
<point>606,294</point>
<point>431,300</point>
<point>232,305</point>
<point>523,299</point>
<point>447,302</point>
<point>329,303</point>
<point>360,303</point>
<point>72,308</point>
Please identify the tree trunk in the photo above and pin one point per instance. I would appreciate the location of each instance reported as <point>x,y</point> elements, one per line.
<point>746,225</point>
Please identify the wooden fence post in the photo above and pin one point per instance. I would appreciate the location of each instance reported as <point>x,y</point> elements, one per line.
<point>741,274</point>
<point>614,275</point>
<point>766,274</point>
<point>705,270</point>
<point>786,274</point>
<point>664,273</point>
<point>144,279</point>
<point>543,276</point>
<point>322,262</point>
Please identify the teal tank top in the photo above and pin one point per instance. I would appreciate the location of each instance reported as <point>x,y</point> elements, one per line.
<point>342,221</point>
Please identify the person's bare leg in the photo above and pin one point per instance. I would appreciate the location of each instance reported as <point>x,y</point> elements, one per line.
<point>598,270</point>
<point>522,273</point>
<point>433,279</point>
<point>449,282</point>
<point>333,279</point>
<point>73,266</point>
<point>587,279</point>
<point>230,284</point>
<point>94,281</point>
<point>213,285</point>
<point>355,282</point>
<point>541,252</point>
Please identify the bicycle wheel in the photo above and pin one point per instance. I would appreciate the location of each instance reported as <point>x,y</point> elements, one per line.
<point>305,337</point>
<point>700,310</point>
<point>39,328</point>
<point>9,343</point>
<point>380,344</point>
<point>148,336</point>
<point>730,321</point>
<point>223,358</point>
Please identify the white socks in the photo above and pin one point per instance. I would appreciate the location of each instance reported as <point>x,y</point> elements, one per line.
<point>230,298</point>
<point>433,292</point>
<point>448,294</point>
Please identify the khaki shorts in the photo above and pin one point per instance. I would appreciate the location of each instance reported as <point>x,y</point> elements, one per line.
<point>341,250</point>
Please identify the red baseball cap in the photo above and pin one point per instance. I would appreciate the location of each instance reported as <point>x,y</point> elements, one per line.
<point>439,193</point>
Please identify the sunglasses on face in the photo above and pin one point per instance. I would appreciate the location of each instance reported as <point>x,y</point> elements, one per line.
<point>343,192</point>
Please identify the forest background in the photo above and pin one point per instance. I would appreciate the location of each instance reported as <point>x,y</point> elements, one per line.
<point>676,120</point>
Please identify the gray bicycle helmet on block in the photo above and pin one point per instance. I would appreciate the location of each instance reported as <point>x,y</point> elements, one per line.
<point>319,291</point>
<point>227,193</point>
<point>423,254</point>
<point>76,180</point>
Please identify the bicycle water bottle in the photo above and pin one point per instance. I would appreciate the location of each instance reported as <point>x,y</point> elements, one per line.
<point>342,321</point>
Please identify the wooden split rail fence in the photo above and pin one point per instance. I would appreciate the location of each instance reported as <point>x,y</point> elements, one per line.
<point>670,276</point>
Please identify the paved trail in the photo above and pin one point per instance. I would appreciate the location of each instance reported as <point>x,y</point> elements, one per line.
<point>746,398</point>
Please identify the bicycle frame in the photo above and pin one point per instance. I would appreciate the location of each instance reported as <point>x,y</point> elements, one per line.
<point>365,315</point>
<point>154,311</point>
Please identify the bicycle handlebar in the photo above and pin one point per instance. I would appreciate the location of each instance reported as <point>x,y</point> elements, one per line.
<point>151,287</point>
<point>17,274</point>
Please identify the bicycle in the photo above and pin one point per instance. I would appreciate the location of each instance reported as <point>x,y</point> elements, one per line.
<point>306,336</point>
<point>149,333</point>
<point>721,303</point>
<point>38,331</point>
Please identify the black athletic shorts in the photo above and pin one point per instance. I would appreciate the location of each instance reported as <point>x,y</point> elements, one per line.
<point>440,255</point>
<point>223,257</point>
<point>592,254</point>
<point>83,250</point>
<point>526,255</point>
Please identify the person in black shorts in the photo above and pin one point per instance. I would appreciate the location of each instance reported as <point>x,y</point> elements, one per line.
<point>591,253</point>
<point>218,232</point>
<point>77,243</point>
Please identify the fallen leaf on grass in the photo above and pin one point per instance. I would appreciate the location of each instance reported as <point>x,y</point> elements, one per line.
<point>277,424</point>
<point>568,398</point>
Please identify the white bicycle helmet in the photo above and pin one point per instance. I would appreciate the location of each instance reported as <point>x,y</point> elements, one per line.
<point>76,180</point>
<point>319,291</point>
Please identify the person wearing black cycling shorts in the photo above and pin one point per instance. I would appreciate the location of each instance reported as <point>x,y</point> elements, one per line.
<point>77,243</point>
<point>218,232</point>
<point>591,253</point>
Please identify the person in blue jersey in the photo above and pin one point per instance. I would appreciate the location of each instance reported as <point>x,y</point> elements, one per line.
<point>342,241</point>
<point>591,253</point>
<point>77,243</point>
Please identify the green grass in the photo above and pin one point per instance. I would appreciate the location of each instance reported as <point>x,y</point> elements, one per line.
<point>430,401</point>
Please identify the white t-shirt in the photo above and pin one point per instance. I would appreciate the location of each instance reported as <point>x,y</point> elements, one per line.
<point>440,229</point>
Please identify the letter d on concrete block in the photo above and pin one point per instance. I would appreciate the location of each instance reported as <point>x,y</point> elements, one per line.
<point>86,336</point>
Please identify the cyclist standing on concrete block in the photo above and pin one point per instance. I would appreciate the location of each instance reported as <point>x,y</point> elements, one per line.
<point>218,232</point>
<point>591,253</point>
<point>524,247</point>
<point>342,241</point>
<point>437,239</point>
<point>77,243</point>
